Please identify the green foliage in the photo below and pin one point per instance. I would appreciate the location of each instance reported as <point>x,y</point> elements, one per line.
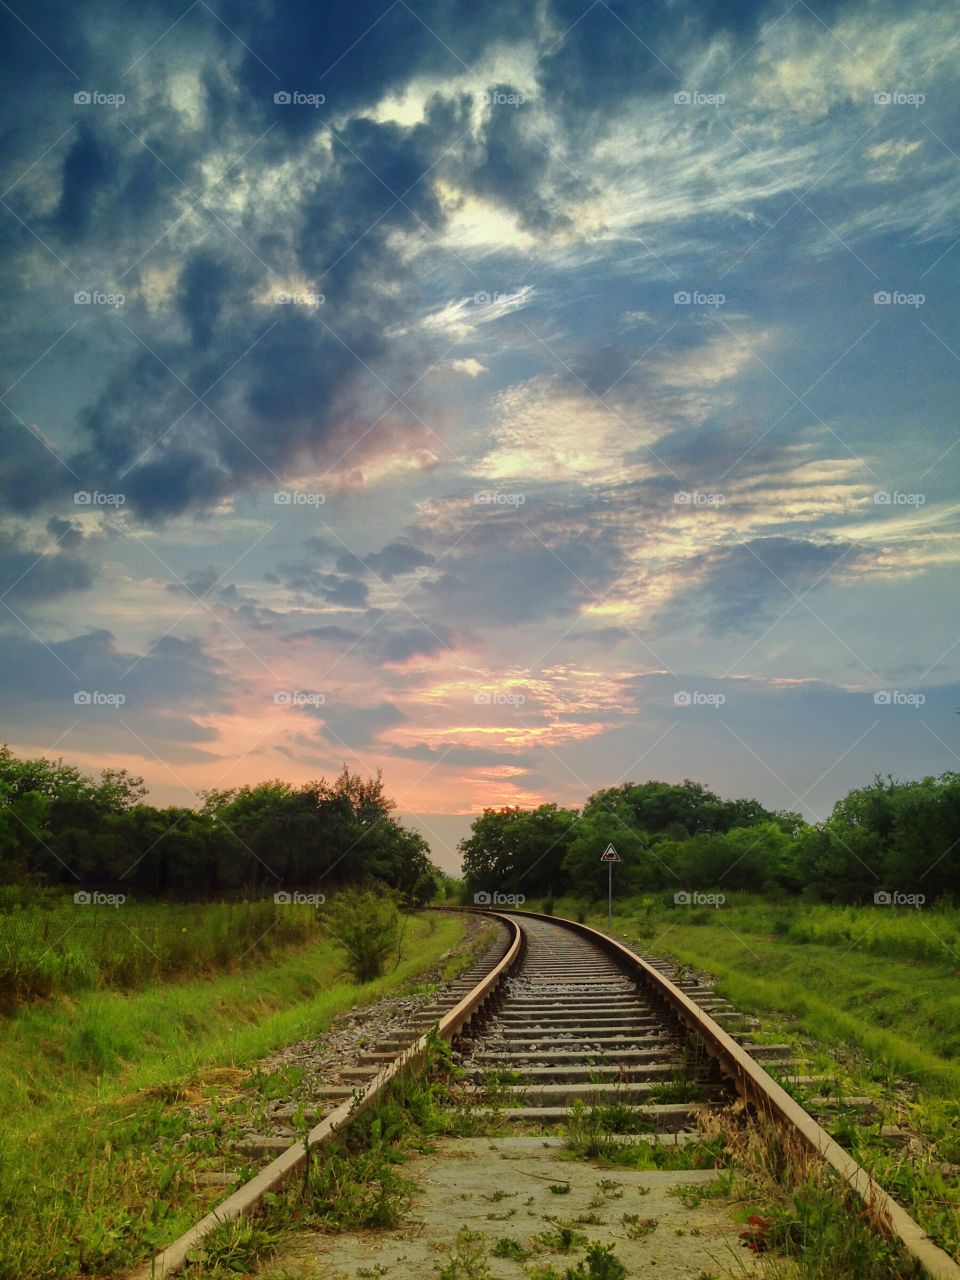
<point>560,1237</point>
<point>59,826</point>
<point>100,1143</point>
<point>235,1247</point>
<point>891,835</point>
<point>512,1249</point>
<point>51,944</point>
<point>600,1263</point>
<point>468,1260</point>
<point>367,925</point>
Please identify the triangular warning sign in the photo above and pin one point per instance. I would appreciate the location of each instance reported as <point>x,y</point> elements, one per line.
<point>610,854</point>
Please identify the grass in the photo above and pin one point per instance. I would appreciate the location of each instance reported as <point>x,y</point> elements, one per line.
<point>97,1155</point>
<point>818,966</point>
<point>869,995</point>
<point>803,1218</point>
<point>594,1133</point>
<point>51,944</point>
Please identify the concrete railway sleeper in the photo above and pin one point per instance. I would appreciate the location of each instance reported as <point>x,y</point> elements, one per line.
<point>556,1019</point>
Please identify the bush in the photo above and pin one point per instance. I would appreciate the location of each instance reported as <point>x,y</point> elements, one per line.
<point>367,925</point>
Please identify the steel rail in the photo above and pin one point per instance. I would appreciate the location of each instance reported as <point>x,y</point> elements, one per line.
<point>246,1199</point>
<point>760,1090</point>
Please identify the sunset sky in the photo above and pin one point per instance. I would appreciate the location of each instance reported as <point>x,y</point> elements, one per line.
<point>520,398</point>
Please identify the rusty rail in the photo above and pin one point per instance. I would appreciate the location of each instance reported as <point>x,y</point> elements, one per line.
<point>759,1089</point>
<point>246,1199</point>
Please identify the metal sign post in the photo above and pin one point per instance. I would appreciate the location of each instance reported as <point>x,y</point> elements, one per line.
<point>610,856</point>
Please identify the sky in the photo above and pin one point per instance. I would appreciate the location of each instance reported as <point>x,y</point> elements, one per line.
<point>521,399</point>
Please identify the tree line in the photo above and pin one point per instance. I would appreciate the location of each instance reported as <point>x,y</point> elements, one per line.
<point>59,826</point>
<point>890,836</point>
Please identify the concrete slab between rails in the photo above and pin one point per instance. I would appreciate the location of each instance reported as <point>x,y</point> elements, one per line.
<point>501,1188</point>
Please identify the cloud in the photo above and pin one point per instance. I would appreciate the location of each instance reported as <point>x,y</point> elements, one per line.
<point>393,561</point>
<point>358,727</point>
<point>733,587</point>
<point>44,573</point>
<point>340,591</point>
<point>68,533</point>
<point>75,684</point>
<point>458,756</point>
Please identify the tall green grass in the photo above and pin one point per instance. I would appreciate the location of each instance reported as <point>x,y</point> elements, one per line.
<point>96,1152</point>
<point>50,943</point>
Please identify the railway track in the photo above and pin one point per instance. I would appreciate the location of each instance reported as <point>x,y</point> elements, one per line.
<point>556,1019</point>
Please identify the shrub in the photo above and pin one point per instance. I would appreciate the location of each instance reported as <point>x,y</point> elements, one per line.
<point>368,927</point>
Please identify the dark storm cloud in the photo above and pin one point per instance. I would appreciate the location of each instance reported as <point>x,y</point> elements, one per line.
<point>385,643</point>
<point>347,593</point>
<point>87,168</point>
<point>67,533</point>
<point>518,569</point>
<point>344,726</point>
<point>414,642</point>
<point>329,632</point>
<point>199,583</point>
<point>393,561</point>
<point>29,473</point>
<point>516,169</point>
<point>299,375</point>
<point>134,187</point>
<point>735,586</point>
<point>334,589</point>
<point>171,683</point>
<point>614,54</point>
<point>29,574</point>
<point>355,53</point>
<point>204,284</point>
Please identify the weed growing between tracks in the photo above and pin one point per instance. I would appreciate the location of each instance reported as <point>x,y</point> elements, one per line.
<point>468,1258</point>
<point>797,1211</point>
<point>595,1133</point>
<point>352,1183</point>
